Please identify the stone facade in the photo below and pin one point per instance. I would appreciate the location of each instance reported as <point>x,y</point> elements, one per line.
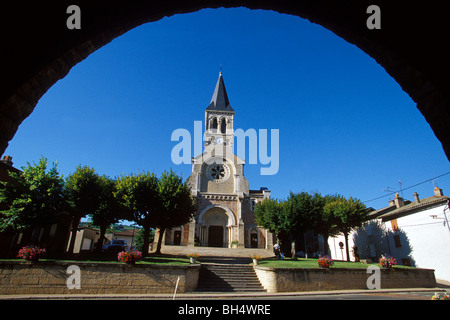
<point>224,216</point>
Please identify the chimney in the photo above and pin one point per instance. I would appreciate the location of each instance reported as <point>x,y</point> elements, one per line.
<point>7,160</point>
<point>438,192</point>
<point>398,201</point>
<point>416,197</point>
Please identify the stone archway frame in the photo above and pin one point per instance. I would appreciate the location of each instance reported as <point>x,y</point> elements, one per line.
<point>230,235</point>
<point>228,212</point>
<point>41,50</point>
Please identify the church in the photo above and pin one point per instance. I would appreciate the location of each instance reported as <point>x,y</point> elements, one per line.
<point>224,216</point>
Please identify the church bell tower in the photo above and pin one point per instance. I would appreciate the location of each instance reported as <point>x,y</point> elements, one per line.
<point>219,118</point>
<point>224,214</point>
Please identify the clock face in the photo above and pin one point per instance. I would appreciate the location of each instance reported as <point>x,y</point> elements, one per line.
<point>219,140</point>
<point>218,172</point>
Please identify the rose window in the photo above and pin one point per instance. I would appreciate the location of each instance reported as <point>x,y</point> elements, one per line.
<point>218,172</point>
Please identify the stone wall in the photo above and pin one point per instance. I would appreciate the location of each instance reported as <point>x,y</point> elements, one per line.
<point>96,278</point>
<point>312,279</point>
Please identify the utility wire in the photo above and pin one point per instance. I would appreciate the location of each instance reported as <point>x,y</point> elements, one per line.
<point>417,184</point>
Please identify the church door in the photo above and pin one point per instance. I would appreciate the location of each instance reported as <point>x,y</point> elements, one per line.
<point>215,236</point>
<point>254,239</point>
<point>177,238</point>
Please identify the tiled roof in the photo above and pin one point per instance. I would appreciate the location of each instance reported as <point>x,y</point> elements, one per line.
<point>411,208</point>
<point>127,233</point>
<point>219,99</point>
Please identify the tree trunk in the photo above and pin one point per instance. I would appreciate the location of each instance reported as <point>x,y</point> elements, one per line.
<point>293,252</point>
<point>101,239</point>
<point>347,252</point>
<point>326,248</point>
<point>145,242</point>
<point>160,239</point>
<point>75,223</point>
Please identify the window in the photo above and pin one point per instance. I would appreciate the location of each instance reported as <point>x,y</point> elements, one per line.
<point>397,241</point>
<point>406,262</point>
<point>394,225</point>
<point>223,126</point>
<point>53,230</point>
<point>214,125</point>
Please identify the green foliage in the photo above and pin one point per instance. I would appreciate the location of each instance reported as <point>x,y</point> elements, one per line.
<point>295,215</point>
<point>83,190</point>
<point>34,197</point>
<point>109,209</point>
<point>326,222</point>
<point>177,206</point>
<point>139,238</point>
<point>139,194</point>
<point>270,214</point>
<point>347,213</point>
<point>328,215</point>
<point>302,210</point>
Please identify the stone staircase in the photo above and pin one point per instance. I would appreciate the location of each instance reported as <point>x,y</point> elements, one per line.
<point>228,275</point>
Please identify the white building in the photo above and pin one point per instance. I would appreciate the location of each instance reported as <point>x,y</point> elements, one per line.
<point>415,233</point>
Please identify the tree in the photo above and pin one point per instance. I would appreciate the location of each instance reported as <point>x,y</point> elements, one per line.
<point>176,208</point>
<point>83,192</point>
<point>301,211</point>
<point>349,214</point>
<point>139,237</point>
<point>270,214</point>
<point>109,209</point>
<point>33,198</point>
<point>139,194</point>
<point>326,222</point>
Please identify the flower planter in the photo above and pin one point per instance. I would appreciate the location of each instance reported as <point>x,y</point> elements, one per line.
<point>193,257</point>
<point>387,262</point>
<point>31,253</point>
<point>129,257</point>
<point>255,262</point>
<point>325,262</point>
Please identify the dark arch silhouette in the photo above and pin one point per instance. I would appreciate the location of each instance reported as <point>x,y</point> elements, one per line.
<point>38,48</point>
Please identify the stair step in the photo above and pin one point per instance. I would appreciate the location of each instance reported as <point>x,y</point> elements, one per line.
<point>228,278</point>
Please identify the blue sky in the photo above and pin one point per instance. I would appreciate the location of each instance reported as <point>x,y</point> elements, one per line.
<point>345,125</point>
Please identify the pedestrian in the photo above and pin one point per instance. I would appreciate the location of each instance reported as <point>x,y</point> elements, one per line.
<point>276,250</point>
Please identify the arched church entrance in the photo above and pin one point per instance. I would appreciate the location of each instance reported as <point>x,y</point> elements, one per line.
<point>216,228</point>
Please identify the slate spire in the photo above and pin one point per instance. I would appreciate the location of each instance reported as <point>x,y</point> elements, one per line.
<point>219,100</point>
